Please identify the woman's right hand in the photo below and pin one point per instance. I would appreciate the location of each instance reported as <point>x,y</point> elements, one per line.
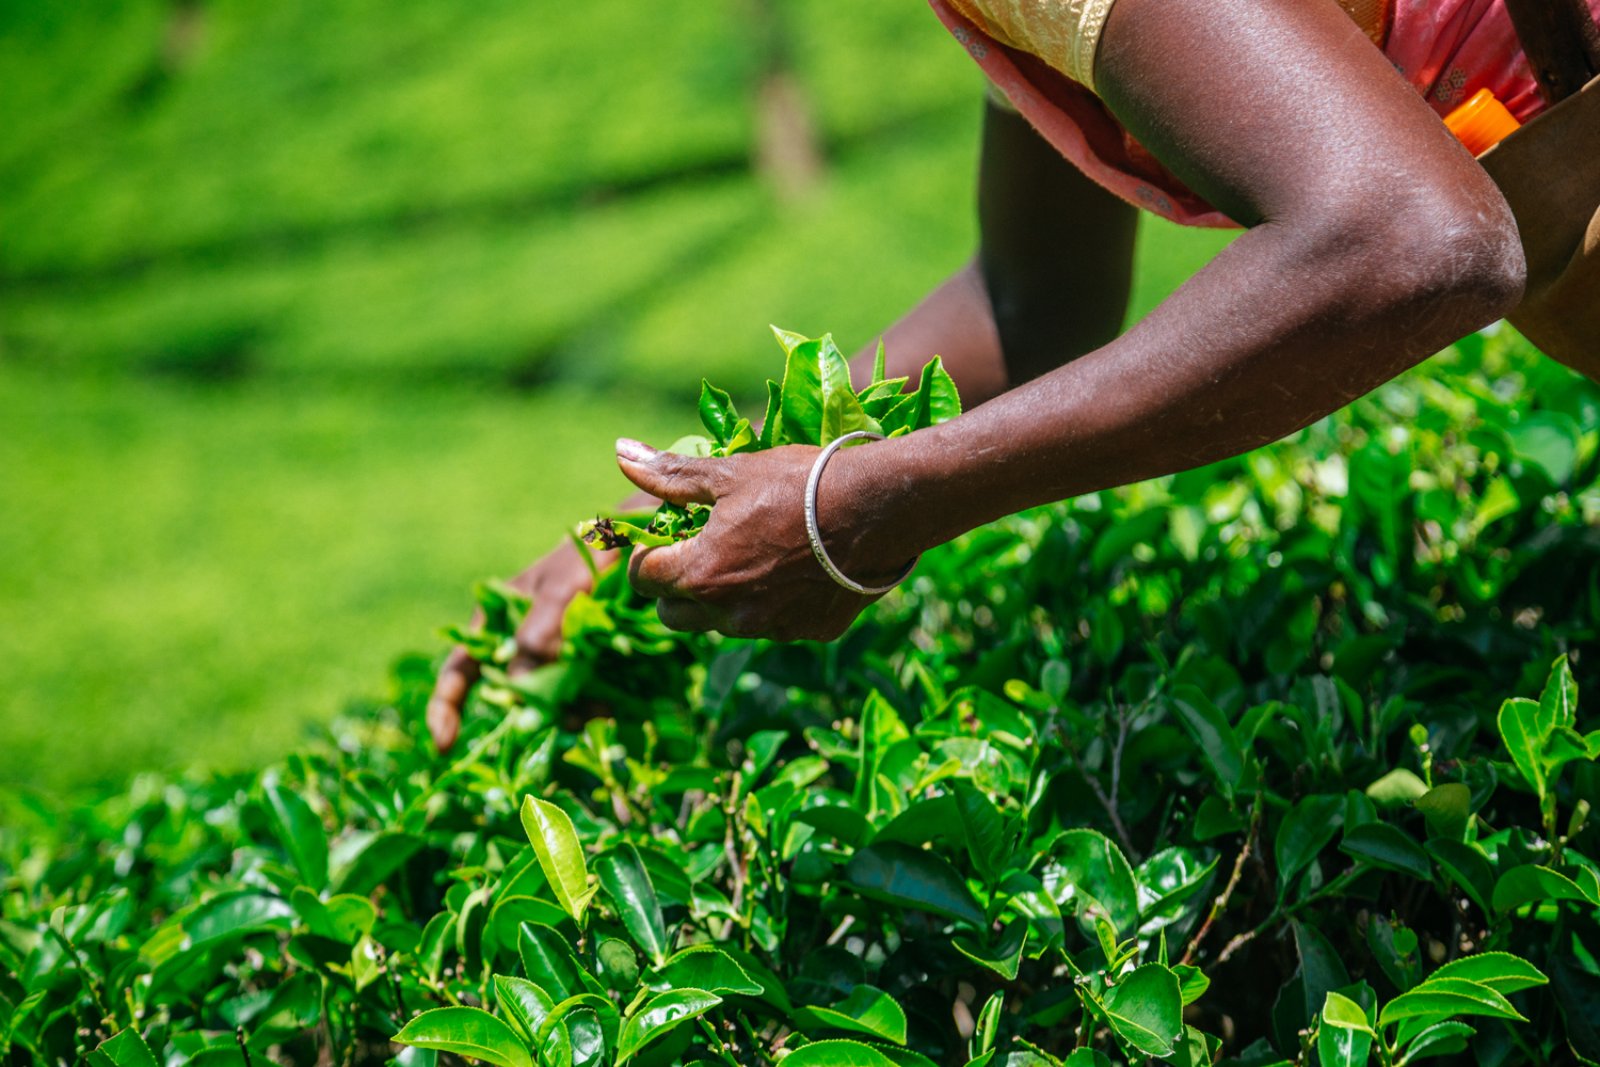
<point>552,583</point>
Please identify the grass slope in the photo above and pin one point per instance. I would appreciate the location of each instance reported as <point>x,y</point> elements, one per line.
<point>310,314</point>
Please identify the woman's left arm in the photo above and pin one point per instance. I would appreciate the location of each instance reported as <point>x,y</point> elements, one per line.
<point>1375,240</point>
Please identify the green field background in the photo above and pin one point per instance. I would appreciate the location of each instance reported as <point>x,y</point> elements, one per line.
<point>311,314</point>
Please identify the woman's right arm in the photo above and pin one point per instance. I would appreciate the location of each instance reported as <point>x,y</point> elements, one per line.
<point>1049,283</point>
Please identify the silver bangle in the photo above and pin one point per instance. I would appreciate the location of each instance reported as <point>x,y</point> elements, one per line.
<point>814,532</point>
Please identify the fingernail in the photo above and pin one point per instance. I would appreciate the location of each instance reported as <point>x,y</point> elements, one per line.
<point>636,451</point>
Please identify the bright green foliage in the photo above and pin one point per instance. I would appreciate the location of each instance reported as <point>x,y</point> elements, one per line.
<point>1103,776</point>
<point>814,405</point>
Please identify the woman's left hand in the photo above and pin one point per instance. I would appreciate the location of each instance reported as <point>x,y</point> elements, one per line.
<point>750,572</point>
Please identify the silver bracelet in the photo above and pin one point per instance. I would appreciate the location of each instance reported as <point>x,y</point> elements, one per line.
<point>815,533</point>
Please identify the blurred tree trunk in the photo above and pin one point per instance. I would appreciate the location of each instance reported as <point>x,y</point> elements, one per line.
<point>788,154</point>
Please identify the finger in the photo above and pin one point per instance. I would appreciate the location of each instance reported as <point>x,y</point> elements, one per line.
<point>662,572</point>
<point>687,616</point>
<point>671,477</point>
<point>449,694</point>
<point>539,636</point>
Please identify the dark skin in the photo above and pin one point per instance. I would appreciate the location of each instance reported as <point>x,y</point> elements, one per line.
<point>1374,240</point>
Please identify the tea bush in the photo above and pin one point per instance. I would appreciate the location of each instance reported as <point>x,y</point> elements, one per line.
<point>1280,761</point>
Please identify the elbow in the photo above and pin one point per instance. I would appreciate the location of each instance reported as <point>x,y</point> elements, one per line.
<point>1475,272</point>
<point>1433,270</point>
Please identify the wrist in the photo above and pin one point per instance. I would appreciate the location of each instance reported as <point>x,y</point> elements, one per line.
<point>864,513</point>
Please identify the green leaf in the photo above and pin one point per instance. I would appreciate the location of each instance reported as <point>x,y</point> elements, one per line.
<point>1394,946</point>
<point>935,400</point>
<point>1530,883</point>
<point>469,1032</point>
<point>987,1031</point>
<point>345,917</point>
<point>867,1010</point>
<point>841,821</point>
<point>989,838</point>
<point>1558,703</point>
<point>1192,982</point>
<point>1209,728</point>
<point>880,364</point>
<point>1397,788</point>
<point>1145,1009</point>
<point>717,413</point>
<point>660,1014</point>
<point>817,403</point>
<point>769,423</point>
<point>1344,1037</point>
<point>1004,956</point>
<point>1305,831</point>
<point>1447,808</point>
<point>223,916</point>
<point>1577,993</point>
<point>626,881</point>
<point>836,1054</point>
<point>1500,971</point>
<point>524,1003</point>
<point>1440,1039</point>
<point>1467,867</point>
<point>924,820</point>
<point>572,1013</point>
<point>1088,868</point>
<point>1389,847</point>
<point>361,871</point>
<point>300,832</point>
<point>1524,736</point>
<point>1087,1057</point>
<point>555,842</point>
<point>1167,881</point>
<point>548,959</point>
<point>1548,442</point>
<point>705,967</point>
<point>913,878</point>
<point>126,1048</point>
<point>1194,1048</point>
<point>1443,998</point>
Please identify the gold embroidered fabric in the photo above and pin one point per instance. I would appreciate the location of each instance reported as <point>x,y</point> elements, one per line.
<point>1063,33</point>
<point>1066,33</point>
<point>1371,15</point>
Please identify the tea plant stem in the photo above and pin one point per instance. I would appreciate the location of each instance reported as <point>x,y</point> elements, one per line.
<point>717,1044</point>
<point>1281,912</point>
<point>86,970</point>
<point>1106,803</point>
<point>1220,904</point>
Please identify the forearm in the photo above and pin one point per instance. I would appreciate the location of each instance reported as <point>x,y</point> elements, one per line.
<point>1276,333</point>
<point>955,322</point>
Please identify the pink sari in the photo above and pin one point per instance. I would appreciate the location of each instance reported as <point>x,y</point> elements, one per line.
<point>1447,50</point>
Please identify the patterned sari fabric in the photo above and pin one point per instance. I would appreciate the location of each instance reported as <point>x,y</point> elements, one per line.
<point>1039,54</point>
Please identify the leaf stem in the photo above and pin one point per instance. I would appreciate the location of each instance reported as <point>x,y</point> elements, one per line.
<point>1220,904</point>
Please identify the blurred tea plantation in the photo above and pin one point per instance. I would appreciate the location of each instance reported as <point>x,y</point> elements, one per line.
<point>313,313</point>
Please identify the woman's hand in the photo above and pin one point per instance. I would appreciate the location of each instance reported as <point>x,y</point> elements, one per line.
<point>750,572</point>
<point>552,582</point>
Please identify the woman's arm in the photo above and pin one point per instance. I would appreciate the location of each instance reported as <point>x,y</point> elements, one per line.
<point>1050,280</point>
<point>1376,240</point>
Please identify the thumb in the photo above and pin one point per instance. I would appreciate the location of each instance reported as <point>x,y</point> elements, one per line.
<point>671,477</point>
